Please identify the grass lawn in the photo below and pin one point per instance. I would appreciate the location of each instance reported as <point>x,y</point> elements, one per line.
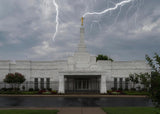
<point>21,111</point>
<point>131,110</point>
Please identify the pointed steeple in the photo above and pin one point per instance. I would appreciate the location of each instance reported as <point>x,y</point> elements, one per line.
<point>81,59</point>
<point>82,46</point>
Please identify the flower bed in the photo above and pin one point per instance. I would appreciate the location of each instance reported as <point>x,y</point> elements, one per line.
<point>30,92</point>
<point>44,92</point>
<point>117,92</point>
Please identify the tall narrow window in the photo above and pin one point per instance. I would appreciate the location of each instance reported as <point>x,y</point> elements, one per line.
<point>42,83</point>
<point>115,83</point>
<point>48,83</point>
<point>35,83</point>
<point>120,83</point>
<point>126,83</point>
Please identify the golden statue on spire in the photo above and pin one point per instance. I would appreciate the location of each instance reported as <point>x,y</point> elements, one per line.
<point>82,21</point>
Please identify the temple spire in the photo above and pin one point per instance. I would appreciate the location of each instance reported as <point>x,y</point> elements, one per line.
<point>82,46</point>
<point>82,21</point>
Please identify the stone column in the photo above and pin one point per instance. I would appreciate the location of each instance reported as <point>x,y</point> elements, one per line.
<point>39,83</point>
<point>45,82</point>
<point>61,84</point>
<point>117,83</point>
<point>103,88</point>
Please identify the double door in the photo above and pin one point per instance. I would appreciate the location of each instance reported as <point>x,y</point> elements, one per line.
<point>81,84</point>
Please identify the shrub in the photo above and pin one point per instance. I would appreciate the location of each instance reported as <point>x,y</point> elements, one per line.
<point>49,89</point>
<point>120,89</point>
<point>143,89</point>
<point>30,89</point>
<point>41,91</point>
<point>36,89</point>
<point>126,89</point>
<point>9,89</point>
<point>54,92</point>
<point>3,89</point>
<point>114,89</point>
<point>29,92</point>
<point>6,89</point>
<point>10,92</point>
<point>23,87</point>
<point>16,89</point>
<point>44,89</point>
<point>115,93</point>
<point>133,89</point>
<point>135,93</point>
<point>46,93</point>
<point>109,92</point>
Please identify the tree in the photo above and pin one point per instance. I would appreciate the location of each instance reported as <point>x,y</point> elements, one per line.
<point>155,78</point>
<point>145,79</point>
<point>14,79</point>
<point>134,79</point>
<point>103,57</point>
<point>142,78</point>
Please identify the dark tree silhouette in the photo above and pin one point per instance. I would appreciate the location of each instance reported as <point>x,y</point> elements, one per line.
<point>103,57</point>
<point>155,78</point>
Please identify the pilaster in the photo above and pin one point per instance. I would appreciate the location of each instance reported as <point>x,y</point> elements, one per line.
<point>103,88</point>
<point>61,84</point>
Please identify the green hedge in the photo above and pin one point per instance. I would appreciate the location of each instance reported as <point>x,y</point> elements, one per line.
<point>29,92</point>
<point>135,93</point>
<point>19,92</point>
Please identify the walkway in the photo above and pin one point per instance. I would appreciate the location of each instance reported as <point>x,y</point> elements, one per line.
<point>81,110</point>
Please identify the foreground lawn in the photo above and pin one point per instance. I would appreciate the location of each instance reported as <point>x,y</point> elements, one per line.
<point>131,110</point>
<point>17,111</point>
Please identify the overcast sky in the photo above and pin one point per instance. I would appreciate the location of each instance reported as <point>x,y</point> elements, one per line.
<point>128,33</point>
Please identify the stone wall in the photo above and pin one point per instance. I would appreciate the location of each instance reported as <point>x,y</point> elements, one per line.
<point>51,69</point>
<point>33,69</point>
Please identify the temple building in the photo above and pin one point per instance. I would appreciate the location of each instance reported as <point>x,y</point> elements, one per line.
<point>78,74</point>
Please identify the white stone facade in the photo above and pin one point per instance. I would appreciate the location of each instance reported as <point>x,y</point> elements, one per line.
<point>81,64</point>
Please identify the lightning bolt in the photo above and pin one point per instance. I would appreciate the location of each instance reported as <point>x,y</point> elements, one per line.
<point>47,8</point>
<point>109,9</point>
<point>57,18</point>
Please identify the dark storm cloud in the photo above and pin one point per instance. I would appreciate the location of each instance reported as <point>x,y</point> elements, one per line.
<point>26,29</point>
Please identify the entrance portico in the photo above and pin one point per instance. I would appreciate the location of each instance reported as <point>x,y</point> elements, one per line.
<point>82,82</point>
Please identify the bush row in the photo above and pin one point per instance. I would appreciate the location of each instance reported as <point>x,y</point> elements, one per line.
<point>30,92</point>
<point>119,92</point>
<point>126,89</point>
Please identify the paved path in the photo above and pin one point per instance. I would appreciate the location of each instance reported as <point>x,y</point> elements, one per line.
<point>81,110</point>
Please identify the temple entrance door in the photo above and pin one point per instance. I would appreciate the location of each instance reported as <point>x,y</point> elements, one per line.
<point>82,84</point>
